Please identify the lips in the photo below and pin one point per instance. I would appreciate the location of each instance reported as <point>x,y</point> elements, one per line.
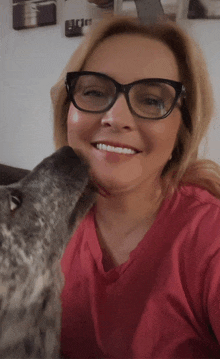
<point>116,147</point>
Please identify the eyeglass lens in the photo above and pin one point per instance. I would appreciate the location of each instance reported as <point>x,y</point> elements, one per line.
<point>147,99</point>
<point>94,93</point>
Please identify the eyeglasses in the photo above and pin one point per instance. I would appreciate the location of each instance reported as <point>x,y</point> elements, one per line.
<point>95,92</point>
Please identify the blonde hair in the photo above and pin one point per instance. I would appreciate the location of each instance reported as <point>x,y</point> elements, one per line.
<point>184,167</point>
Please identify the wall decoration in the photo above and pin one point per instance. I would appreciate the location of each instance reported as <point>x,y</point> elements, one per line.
<point>181,9</point>
<point>33,13</point>
<point>170,8</point>
<point>149,10</point>
<point>78,16</point>
<point>204,9</point>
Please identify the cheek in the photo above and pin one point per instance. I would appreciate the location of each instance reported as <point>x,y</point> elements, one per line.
<point>166,134</point>
<point>81,129</point>
<point>73,121</point>
<point>76,126</point>
<point>161,135</point>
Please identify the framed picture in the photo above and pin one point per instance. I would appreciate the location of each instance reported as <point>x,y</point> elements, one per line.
<point>77,17</point>
<point>143,7</point>
<point>170,8</point>
<point>204,9</point>
<point>33,13</point>
<point>199,9</point>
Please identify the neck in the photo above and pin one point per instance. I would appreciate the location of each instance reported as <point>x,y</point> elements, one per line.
<point>128,209</point>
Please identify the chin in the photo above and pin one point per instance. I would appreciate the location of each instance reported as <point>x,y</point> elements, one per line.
<point>113,187</point>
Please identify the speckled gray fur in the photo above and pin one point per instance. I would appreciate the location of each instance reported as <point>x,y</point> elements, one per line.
<point>37,217</point>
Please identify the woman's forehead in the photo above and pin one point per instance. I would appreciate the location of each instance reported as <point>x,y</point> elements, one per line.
<point>134,56</point>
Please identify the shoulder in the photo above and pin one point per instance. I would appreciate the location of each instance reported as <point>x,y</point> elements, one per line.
<point>191,199</point>
<point>202,205</point>
<point>189,225</point>
<point>193,214</point>
<point>198,194</point>
<point>189,234</point>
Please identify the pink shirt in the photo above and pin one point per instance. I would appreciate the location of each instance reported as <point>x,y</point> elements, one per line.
<point>164,302</point>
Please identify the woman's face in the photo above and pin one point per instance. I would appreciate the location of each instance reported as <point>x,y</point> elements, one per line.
<point>126,58</point>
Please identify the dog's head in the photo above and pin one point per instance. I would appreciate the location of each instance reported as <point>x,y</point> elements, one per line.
<point>38,213</point>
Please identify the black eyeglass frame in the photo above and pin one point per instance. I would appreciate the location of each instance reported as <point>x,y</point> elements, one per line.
<point>178,87</point>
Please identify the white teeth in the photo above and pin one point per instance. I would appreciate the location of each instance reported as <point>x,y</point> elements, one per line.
<point>127,151</point>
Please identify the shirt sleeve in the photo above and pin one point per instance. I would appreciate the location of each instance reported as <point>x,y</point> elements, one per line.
<point>211,297</point>
<point>210,271</point>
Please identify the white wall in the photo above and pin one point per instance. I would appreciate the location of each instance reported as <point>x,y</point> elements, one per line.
<point>31,61</point>
<point>207,34</point>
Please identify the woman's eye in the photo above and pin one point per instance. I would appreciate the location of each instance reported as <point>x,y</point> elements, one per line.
<point>93,93</point>
<point>158,103</point>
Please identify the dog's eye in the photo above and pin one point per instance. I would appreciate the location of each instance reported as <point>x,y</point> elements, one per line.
<point>15,201</point>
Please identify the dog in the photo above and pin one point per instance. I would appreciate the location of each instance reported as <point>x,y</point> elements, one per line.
<point>37,217</point>
<point>9,174</point>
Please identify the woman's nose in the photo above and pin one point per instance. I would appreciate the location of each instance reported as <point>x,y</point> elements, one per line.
<point>119,116</point>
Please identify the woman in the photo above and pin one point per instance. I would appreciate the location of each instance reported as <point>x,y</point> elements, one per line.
<point>142,270</point>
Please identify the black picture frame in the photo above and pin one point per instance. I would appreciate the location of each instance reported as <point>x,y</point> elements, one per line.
<point>34,13</point>
<point>204,9</point>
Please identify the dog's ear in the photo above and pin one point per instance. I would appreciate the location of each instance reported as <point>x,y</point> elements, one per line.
<point>9,174</point>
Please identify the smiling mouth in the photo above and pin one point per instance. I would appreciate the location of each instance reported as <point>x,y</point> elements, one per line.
<point>120,150</point>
